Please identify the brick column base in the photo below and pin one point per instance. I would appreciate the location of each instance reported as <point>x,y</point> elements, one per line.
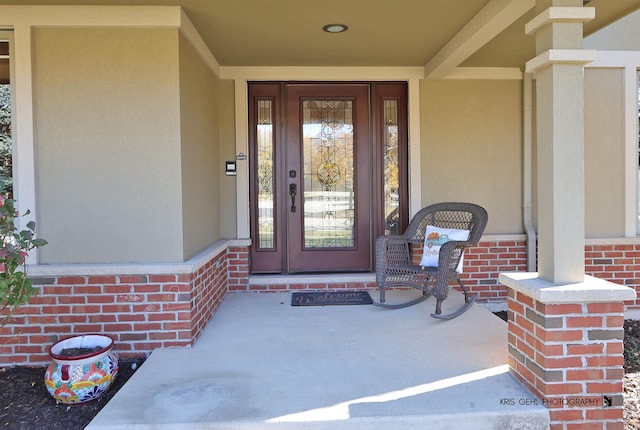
<point>566,346</point>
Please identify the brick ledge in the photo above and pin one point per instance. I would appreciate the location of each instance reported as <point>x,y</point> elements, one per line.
<point>190,266</point>
<point>589,291</point>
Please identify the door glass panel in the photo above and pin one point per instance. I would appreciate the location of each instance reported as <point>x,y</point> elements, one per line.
<point>265,143</point>
<point>391,168</point>
<point>329,199</point>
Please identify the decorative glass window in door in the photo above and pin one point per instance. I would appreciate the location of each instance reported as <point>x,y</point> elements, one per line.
<point>328,173</point>
<point>265,143</point>
<point>391,168</point>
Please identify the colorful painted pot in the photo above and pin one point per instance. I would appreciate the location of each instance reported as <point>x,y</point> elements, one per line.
<point>83,368</point>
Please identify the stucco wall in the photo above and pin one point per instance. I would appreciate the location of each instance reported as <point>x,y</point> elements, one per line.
<point>201,162</point>
<point>106,115</point>
<point>227,142</point>
<point>472,147</point>
<point>604,152</point>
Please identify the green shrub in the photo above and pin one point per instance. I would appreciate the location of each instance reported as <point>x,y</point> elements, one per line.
<point>15,286</point>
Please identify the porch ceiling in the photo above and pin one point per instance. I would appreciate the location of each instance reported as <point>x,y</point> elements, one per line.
<point>381,33</point>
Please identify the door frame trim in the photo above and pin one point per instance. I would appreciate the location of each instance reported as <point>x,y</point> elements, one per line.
<point>242,75</point>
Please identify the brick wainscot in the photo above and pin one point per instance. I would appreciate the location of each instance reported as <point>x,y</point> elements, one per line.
<point>615,260</point>
<point>160,305</point>
<point>143,307</point>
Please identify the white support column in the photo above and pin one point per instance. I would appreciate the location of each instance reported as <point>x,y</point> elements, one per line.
<point>559,72</point>
<point>549,310</point>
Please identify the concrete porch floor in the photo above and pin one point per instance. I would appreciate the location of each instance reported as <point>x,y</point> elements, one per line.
<point>262,363</point>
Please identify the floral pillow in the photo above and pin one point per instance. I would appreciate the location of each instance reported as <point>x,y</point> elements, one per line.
<point>434,237</point>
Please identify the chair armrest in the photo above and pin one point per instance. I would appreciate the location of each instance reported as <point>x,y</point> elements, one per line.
<point>391,250</point>
<point>449,258</point>
<point>389,243</point>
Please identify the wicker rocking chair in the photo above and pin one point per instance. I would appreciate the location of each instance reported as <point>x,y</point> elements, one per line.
<point>396,264</point>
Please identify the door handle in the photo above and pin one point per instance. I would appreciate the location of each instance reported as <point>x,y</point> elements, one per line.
<point>293,190</point>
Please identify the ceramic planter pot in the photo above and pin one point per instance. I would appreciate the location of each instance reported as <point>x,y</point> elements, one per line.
<point>83,368</point>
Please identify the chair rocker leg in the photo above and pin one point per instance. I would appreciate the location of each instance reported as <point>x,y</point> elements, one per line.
<point>467,304</point>
<point>457,313</point>
<point>425,295</point>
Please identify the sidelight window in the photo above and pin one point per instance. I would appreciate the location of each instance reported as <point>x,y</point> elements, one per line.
<point>265,174</point>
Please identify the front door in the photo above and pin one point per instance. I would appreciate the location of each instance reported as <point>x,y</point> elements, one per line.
<point>314,200</point>
<point>329,176</point>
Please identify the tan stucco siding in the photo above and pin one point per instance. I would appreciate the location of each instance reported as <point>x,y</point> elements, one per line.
<point>604,152</point>
<point>227,138</point>
<point>201,162</point>
<point>106,115</point>
<point>472,147</point>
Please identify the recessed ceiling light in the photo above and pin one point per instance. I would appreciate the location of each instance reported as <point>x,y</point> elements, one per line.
<point>335,28</point>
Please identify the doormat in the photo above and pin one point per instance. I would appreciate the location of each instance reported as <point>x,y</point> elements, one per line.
<point>331,298</point>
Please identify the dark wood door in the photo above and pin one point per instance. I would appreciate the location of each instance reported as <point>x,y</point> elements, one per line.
<point>327,175</point>
<point>328,168</point>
